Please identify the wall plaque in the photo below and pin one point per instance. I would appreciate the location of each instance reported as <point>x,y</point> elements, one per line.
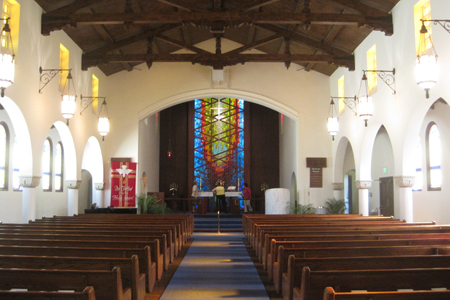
<point>315,165</point>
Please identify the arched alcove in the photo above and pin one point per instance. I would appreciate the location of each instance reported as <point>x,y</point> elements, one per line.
<point>93,163</point>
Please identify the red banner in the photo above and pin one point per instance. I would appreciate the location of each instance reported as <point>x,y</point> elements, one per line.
<point>123,184</point>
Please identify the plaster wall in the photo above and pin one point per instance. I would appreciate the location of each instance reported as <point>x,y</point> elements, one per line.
<point>287,91</point>
<point>41,110</point>
<point>149,153</point>
<point>402,113</point>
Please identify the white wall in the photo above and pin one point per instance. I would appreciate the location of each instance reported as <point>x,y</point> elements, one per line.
<point>301,96</point>
<point>149,153</point>
<point>41,111</point>
<point>401,114</point>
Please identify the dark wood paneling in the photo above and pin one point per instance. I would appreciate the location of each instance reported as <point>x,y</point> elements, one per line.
<point>265,148</point>
<point>262,153</point>
<point>174,125</point>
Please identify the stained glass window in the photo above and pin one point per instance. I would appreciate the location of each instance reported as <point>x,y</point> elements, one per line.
<point>58,167</point>
<point>434,158</point>
<point>4,144</point>
<point>219,142</point>
<point>47,166</point>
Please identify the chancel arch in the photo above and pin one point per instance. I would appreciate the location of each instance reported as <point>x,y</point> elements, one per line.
<point>162,125</point>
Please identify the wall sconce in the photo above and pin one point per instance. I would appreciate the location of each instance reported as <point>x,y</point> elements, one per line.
<point>387,76</point>
<point>444,23</point>
<point>7,58</point>
<point>365,103</point>
<point>103,120</point>
<point>333,120</point>
<point>264,187</point>
<point>68,97</point>
<point>103,117</point>
<point>426,63</point>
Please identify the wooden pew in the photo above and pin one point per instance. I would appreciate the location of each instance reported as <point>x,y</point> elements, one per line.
<point>280,267</point>
<point>271,253</point>
<point>186,220</point>
<point>293,277</point>
<point>249,220</point>
<point>269,234</point>
<point>176,227</point>
<point>49,231</point>
<point>331,294</point>
<point>351,226</point>
<point>146,265</point>
<point>173,238</point>
<point>356,243</point>
<point>131,278</point>
<point>87,294</point>
<point>186,224</point>
<point>93,235</point>
<point>314,282</point>
<point>107,284</point>
<point>161,259</point>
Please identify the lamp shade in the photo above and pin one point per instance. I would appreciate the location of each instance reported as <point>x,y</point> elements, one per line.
<point>365,108</point>
<point>426,71</point>
<point>103,126</point>
<point>333,125</point>
<point>6,59</point>
<point>68,106</point>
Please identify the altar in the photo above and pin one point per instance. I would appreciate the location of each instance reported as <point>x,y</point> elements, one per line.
<point>233,203</point>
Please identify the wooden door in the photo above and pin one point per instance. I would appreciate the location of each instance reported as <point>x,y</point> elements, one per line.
<point>387,196</point>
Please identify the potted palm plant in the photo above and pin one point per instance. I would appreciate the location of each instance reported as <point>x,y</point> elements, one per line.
<point>334,206</point>
<point>150,205</point>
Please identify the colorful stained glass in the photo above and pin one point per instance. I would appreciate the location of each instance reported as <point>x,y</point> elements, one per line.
<point>219,142</point>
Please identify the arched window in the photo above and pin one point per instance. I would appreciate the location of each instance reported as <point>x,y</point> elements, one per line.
<point>47,166</point>
<point>59,166</point>
<point>16,163</point>
<point>4,156</point>
<point>418,161</point>
<point>434,158</point>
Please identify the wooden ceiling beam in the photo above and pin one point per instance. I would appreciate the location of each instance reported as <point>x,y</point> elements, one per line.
<point>180,6</point>
<point>72,8</point>
<point>135,38</point>
<point>318,45</point>
<point>332,33</point>
<point>231,19</point>
<point>107,37</point>
<point>216,59</point>
<point>255,44</point>
<point>254,5</point>
<point>362,8</point>
<point>181,44</point>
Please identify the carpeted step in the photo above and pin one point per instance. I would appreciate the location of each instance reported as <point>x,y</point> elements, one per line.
<point>210,223</point>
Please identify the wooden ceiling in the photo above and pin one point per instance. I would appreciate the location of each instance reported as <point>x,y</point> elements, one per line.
<point>117,35</point>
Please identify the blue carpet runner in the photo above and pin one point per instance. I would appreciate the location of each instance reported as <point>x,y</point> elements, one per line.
<point>216,266</point>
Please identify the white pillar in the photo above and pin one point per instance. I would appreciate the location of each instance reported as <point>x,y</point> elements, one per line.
<point>405,183</point>
<point>72,202</point>
<point>98,194</point>
<point>338,190</point>
<point>29,184</point>
<point>363,191</point>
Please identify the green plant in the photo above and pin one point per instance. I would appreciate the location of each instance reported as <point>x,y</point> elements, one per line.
<point>300,209</point>
<point>150,205</point>
<point>334,206</point>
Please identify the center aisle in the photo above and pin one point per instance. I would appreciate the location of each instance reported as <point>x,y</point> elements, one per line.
<point>216,266</point>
